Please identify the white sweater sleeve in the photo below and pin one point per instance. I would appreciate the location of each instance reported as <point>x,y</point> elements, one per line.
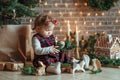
<point>38,49</point>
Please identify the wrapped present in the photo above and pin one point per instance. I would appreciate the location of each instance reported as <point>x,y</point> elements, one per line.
<point>14,66</point>
<point>2,65</point>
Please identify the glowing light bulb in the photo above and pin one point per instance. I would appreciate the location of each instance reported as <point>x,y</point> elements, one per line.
<point>30,20</point>
<point>65,21</point>
<point>66,5</point>
<point>56,4</point>
<point>88,14</point>
<point>60,30</point>
<point>83,41</point>
<point>96,14</point>
<point>64,39</point>
<point>76,4</point>
<point>56,37</point>
<point>61,13</point>
<point>84,22</point>
<point>100,23</point>
<point>75,22</point>
<point>103,32</point>
<point>85,4</point>
<point>86,32</point>
<point>116,20</point>
<point>45,4</point>
<point>93,23</point>
<point>103,13</point>
<point>119,11</point>
<point>50,12</point>
<point>79,31</point>
<point>95,33</point>
<point>80,12</point>
<point>70,13</point>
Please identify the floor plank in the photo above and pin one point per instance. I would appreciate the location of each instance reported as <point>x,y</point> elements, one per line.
<point>106,74</point>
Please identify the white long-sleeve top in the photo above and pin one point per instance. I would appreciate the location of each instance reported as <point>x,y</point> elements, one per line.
<point>38,49</point>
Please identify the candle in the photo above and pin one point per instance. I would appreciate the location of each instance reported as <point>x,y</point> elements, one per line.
<point>77,40</point>
<point>77,36</point>
<point>68,29</point>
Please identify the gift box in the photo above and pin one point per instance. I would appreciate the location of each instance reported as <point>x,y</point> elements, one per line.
<point>14,66</point>
<point>2,65</point>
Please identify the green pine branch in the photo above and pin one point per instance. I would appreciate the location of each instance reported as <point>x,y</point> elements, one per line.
<point>7,14</point>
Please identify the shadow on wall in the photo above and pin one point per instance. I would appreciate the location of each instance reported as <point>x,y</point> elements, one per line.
<point>10,37</point>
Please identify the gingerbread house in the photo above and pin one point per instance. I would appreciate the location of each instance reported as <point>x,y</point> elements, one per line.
<point>108,46</point>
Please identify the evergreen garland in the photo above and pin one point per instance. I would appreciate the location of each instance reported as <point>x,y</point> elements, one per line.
<point>69,45</point>
<point>29,70</point>
<point>101,4</point>
<point>105,61</point>
<point>96,71</point>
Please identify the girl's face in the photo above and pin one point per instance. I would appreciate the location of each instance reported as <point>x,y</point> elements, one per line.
<point>45,31</point>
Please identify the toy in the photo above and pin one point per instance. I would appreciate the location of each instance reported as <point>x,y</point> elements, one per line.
<point>78,67</point>
<point>60,44</point>
<point>66,67</point>
<point>108,46</point>
<point>96,66</point>
<point>40,70</point>
<point>29,70</point>
<point>86,58</point>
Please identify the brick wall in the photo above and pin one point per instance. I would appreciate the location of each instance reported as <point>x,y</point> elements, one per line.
<point>88,20</point>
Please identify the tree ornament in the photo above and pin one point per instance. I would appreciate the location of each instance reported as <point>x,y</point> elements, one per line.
<point>14,14</point>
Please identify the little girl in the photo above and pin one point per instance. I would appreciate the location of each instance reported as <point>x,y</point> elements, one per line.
<point>44,45</point>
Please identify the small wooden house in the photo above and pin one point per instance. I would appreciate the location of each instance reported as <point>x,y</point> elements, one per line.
<point>108,46</point>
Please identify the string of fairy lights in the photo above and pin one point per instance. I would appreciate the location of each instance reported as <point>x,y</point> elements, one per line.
<point>81,13</point>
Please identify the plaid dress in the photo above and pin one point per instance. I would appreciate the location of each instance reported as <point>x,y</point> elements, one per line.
<point>47,59</point>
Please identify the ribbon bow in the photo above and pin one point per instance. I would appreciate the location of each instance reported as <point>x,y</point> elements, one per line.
<point>53,21</point>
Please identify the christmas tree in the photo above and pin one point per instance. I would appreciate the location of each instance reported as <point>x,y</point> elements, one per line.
<point>12,10</point>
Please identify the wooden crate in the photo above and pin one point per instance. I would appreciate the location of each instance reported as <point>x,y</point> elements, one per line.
<point>14,66</point>
<point>2,65</point>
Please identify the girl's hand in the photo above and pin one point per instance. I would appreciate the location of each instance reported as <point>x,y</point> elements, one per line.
<point>55,50</point>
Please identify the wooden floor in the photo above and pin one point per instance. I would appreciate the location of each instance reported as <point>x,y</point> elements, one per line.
<point>106,74</point>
